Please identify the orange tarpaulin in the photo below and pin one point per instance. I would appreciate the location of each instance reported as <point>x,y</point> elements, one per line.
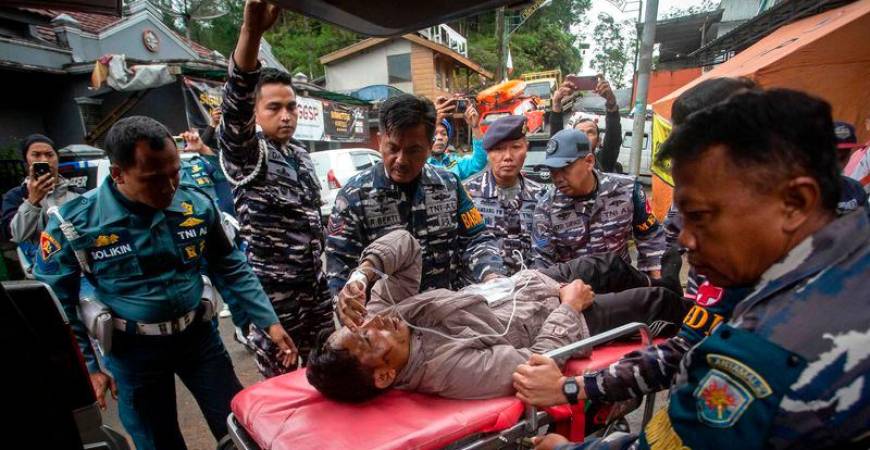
<point>827,55</point>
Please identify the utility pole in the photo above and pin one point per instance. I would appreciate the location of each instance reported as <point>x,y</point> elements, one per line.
<point>644,67</point>
<point>501,37</point>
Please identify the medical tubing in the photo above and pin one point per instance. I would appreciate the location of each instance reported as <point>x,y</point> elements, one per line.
<point>70,233</point>
<point>453,338</point>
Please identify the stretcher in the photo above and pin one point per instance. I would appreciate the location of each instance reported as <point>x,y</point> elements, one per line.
<point>286,412</point>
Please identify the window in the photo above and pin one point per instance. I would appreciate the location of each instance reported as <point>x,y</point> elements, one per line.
<point>361,161</point>
<point>399,68</point>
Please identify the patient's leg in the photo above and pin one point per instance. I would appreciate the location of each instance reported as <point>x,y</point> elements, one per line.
<point>648,305</point>
<point>606,272</point>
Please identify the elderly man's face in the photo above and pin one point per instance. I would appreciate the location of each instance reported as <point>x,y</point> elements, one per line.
<point>733,231</point>
<point>381,344</point>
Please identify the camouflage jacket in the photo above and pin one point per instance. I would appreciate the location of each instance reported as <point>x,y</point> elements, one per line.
<point>566,228</point>
<point>790,369</point>
<point>511,222</point>
<point>279,210</point>
<point>457,247</point>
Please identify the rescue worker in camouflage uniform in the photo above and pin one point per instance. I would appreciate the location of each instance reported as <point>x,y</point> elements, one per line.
<point>277,194</point>
<point>590,212</point>
<point>505,198</point>
<point>651,369</point>
<point>777,374</point>
<point>403,192</point>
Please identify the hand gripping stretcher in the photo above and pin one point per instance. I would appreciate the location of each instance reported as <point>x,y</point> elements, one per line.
<point>286,412</point>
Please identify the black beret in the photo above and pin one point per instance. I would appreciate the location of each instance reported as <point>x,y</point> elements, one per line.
<point>504,129</point>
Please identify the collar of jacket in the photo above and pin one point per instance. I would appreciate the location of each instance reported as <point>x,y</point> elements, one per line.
<point>111,210</point>
<point>835,242</point>
<point>489,188</point>
<point>429,176</point>
<point>584,204</point>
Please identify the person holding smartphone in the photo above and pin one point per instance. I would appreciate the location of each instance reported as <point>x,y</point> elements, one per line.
<point>606,150</point>
<point>25,206</point>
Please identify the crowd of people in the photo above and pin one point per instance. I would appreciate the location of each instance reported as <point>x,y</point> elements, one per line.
<point>427,251</point>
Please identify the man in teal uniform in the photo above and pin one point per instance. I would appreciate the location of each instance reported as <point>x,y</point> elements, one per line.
<point>789,368</point>
<point>141,239</point>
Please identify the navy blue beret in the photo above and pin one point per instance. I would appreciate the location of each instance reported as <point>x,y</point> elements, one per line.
<point>506,128</point>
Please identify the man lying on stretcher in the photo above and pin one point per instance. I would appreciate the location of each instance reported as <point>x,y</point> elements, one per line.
<point>466,344</point>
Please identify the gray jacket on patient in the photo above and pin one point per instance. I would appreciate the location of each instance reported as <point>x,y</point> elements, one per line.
<point>468,369</point>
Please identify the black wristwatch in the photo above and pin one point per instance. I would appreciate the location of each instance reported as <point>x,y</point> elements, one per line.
<point>571,390</point>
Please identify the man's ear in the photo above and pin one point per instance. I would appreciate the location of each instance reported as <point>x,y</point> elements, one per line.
<point>800,197</point>
<point>384,377</point>
<point>116,174</point>
<point>590,159</point>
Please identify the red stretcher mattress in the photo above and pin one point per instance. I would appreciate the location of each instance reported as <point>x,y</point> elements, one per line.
<point>286,412</point>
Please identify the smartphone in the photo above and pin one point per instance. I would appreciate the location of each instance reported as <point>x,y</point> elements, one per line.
<point>179,142</point>
<point>39,169</point>
<point>585,83</point>
<point>461,105</point>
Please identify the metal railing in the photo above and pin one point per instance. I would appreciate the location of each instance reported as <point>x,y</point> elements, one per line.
<point>448,37</point>
<point>588,344</point>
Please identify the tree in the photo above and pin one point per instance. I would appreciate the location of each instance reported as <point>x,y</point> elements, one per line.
<point>543,42</point>
<point>299,42</point>
<point>674,11</point>
<point>189,12</point>
<point>615,48</point>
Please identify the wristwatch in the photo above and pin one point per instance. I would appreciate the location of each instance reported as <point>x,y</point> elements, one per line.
<point>571,390</point>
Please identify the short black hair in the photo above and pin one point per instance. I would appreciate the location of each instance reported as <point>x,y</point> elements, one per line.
<point>707,93</point>
<point>269,75</point>
<point>784,132</point>
<point>407,111</point>
<point>120,144</point>
<point>338,375</point>
<point>33,139</point>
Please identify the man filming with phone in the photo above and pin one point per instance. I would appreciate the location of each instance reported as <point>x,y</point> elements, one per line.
<point>607,150</point>
<point>462,166</point>
<point>25,206</point>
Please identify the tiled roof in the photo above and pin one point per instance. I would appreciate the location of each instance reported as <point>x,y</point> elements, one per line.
<point>95,23</point>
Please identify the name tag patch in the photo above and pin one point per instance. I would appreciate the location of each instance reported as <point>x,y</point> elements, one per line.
<point>111,245</point>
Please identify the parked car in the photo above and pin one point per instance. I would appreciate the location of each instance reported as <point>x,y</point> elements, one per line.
<point>335,167</point>
<point>533,168</point>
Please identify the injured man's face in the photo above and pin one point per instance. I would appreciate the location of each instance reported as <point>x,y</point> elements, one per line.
<point>354,366</point>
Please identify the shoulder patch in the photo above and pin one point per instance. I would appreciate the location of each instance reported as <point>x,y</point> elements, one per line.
<point>48,246</point>
<point>721,400</point>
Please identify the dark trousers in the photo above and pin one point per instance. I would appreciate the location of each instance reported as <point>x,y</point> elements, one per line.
<point>144,368</point>
<point>623,294</point>
<point>304,310</point>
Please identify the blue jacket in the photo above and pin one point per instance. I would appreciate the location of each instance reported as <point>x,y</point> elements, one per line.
<point>462,166</point>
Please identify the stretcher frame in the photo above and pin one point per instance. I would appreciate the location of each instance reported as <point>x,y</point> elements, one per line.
<point>533,423</point>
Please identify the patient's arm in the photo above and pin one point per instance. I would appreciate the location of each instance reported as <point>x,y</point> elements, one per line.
<point>472,372</point>
<point>398,255</point>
